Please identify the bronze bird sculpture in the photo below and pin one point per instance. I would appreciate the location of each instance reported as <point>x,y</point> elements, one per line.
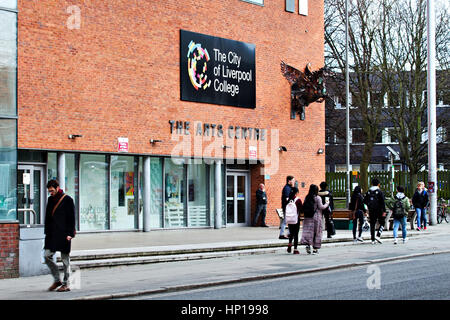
<point>306,87</point>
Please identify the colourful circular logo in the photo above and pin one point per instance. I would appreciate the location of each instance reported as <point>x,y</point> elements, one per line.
<point>197,66</point>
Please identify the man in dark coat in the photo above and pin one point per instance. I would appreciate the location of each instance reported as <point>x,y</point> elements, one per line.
<point>374,199</point>
<point>261,206</point>
<point>59,231</point>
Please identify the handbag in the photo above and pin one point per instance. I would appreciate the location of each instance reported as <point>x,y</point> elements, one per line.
<point>366,225</point>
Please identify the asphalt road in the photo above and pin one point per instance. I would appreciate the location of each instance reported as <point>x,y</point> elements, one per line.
<point>421,278</point>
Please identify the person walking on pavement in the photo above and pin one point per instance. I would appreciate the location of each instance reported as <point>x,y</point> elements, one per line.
<point>374,199</point>
<point>420,203</point>
<point>312,224</point>
<point>358,211</point>
<point>59,231</point>
<point>261,206</point>
<point>294,228</point>
<point>399,206</point>
<point>285,193</point>
<point>325,194</point>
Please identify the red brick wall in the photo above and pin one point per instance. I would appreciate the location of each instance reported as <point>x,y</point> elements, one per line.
<point>9,250</point>
<point>118,76</point>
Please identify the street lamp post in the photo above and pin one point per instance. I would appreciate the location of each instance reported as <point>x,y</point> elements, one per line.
<point>347,104</point>
<point>431,97</point>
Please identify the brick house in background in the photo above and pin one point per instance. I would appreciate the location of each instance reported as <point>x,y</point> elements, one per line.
<point>335,138</point>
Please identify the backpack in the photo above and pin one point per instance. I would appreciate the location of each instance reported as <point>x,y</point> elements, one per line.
<point>291,212</point>
<point>372,203</point>
<point>308,207</point>
<point>398,212</point>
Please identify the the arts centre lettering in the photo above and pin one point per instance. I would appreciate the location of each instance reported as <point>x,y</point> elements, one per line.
<point>216,70</point>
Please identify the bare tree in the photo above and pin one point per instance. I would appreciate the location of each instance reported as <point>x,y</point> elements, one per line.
<point>363,26</point>
<point>388,63</point>
<point>402,61</point>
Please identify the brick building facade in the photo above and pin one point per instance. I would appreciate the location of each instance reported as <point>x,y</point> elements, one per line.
<point>111,69</point>
<point>9,250</point>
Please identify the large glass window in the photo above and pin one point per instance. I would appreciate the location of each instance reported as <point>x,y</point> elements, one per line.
<point>174,193</point>
<point>8,174</point>
<point>52,166</point>
<point>93,192</point>
<point>122,192</point>
<point>156,192</point>
<point>8,108</point>
<point>198,195</point>
<point>8,58</point>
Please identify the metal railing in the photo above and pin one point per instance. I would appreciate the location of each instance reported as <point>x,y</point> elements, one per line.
<point>25,216</point>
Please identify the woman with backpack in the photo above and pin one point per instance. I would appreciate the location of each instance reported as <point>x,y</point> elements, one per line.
<point>293,210</point>
<point>312,224</point>
<point>357,207</point>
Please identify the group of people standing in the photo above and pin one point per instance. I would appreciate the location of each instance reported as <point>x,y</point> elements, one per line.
<point>375,203</point>
<point>318,204</point>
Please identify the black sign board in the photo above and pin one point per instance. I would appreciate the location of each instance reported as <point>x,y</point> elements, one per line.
<point>217,70</point>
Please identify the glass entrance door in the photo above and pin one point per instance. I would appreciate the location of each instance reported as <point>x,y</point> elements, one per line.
<point>237,198</point>
<point>31,192</point>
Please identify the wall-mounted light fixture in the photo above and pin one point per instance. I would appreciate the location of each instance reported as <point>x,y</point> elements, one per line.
<point>320,151</point>
<point>225,147</point>
<point>73,136</point>
<point>153,141</point>
<point>282,148</point>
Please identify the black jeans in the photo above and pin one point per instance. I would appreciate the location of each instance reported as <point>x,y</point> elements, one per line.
<point>359,216</point>
<point>260,210</point>
<point>293,233</point>
<point>328,221</point>
<point>373,220</point>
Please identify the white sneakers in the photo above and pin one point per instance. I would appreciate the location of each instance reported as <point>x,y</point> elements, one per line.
<point>396,241</point>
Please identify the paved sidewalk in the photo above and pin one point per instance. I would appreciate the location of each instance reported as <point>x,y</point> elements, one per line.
<point>128,281</point>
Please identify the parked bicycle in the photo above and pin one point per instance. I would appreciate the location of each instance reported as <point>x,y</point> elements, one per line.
<point>442,211</point>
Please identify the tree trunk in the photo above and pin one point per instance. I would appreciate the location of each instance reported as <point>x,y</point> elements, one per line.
<point>364,166</point>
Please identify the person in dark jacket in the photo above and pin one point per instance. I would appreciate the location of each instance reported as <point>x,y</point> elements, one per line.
<point>324,193</point>
<point>285,193</point>
<point>59,231</point>
<point>357,207</point>
<point>261,206</point>
<point>295,228</point>
<point>374,199</point>
<point>420,203</point>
